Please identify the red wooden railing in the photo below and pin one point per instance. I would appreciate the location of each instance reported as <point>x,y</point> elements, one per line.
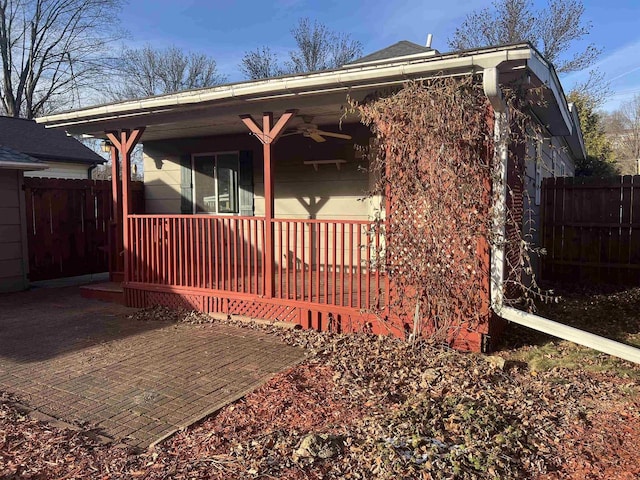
<point>316,261</point>
<point>198,251</point>
<point>328,262</point>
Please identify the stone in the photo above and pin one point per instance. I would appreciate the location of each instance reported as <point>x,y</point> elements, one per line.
<point>319,446</point>
<point>496,361</point>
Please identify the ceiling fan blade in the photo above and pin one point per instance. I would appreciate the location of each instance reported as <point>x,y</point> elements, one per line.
<point>334,135</point>
<point>290,133</point>
<point>317,137</point>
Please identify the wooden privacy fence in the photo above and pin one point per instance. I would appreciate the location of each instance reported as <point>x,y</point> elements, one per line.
<point>591,230</point>
<point>68,223</point>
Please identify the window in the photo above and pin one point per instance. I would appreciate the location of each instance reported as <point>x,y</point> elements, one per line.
<point>215,183</point>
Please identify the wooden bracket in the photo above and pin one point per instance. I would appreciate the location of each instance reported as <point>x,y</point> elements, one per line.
<point>268,134</point>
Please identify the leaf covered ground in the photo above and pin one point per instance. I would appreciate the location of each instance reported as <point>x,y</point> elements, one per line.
<point>395,410</point>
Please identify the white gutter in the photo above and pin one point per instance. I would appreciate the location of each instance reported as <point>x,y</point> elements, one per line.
<point>346,78</point>
<point>491,86</point>
<point>22,166</point>
<point>535,322</point>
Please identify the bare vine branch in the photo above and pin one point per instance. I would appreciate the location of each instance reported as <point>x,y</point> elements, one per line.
<point>436,171</point>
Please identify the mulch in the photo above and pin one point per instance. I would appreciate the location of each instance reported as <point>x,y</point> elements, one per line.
<point>396,410</point>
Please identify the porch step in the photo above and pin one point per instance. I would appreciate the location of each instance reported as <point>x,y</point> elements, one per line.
<point>116,276</point>
<point>107,292</point>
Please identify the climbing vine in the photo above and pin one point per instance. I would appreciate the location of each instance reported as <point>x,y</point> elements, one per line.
<point>434,166</point>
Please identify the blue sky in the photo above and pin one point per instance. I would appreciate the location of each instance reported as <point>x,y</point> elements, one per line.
<point>225,29</point>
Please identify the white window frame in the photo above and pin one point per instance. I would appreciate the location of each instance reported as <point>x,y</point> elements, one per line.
<point>194,194</point>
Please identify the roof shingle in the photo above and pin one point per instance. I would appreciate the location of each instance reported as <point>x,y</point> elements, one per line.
<point>50,145</point>
<point>399,49</point>
<point>9,155</point>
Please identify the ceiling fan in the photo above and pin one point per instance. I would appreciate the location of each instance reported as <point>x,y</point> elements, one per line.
<point>312,131</point>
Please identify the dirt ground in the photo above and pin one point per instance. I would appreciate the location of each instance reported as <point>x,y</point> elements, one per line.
<point>376,407</point>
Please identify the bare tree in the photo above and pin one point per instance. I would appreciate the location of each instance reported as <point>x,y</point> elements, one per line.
<point>623,129</point>
<point>317,48</point>
<point>150,71</point>
<point>554,30</point>
<point>260,63</point>
<point>51,50</point>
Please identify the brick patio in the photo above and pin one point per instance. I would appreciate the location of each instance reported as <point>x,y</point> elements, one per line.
<point>84,362</point>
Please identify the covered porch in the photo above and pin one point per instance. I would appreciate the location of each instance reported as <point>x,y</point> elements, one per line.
<point>252,211</point>
<point>251,247</point>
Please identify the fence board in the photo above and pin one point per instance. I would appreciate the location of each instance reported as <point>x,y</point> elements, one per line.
<point>591,230</point>
<point>68,224</point>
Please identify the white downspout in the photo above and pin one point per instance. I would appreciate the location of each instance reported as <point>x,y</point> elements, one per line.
<point>491,86</point>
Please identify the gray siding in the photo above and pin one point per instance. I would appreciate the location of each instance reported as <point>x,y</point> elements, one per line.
<point>555,159</point>
<point>13,258</point>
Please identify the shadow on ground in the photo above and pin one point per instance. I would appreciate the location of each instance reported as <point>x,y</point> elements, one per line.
<point>92,364</point>
<point>43,323</point>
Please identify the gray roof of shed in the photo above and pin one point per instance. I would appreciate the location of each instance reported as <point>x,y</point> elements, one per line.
<point>399,49</point>
<point>9,155</point>
<point>51,145</point>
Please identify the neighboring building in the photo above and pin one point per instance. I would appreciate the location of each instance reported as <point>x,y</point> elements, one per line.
<point>218,238</point>
<point>626,148</point>
<point>14,259</point>
<point>66,156</point>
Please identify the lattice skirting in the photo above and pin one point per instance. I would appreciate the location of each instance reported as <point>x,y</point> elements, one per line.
<point>317,317</point>
<point>310,316</point>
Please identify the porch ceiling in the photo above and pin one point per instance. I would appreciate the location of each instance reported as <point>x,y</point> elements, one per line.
<point>222,119</point>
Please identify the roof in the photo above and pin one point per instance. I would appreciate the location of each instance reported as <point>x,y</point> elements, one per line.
<point>322,95</point>
<point>402,48</point>
<point>10,158</point>
<point>34,140</point>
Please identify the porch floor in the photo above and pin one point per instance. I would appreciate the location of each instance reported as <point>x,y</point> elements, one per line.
<point>85,362</point>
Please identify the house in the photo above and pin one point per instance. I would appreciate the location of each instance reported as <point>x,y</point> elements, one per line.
<point>67,157</point>
<point>254,190</point>
<point>626,145</point>
<point>14,260</point>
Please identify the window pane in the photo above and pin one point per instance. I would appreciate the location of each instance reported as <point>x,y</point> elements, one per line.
<point>228,183</point>
<point>204,183</point>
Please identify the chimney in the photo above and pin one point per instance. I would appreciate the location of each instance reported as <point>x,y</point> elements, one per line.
<point>429,38</point>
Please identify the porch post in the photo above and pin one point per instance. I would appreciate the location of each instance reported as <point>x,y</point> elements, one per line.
<point>115,227</point>
<point>267,121</point>
<point>125,145</point>
<point>268,136</point>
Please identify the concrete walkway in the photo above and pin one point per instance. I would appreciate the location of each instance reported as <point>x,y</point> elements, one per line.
<point>85,362</point>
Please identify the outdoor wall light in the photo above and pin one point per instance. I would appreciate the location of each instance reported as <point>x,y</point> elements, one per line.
<point>106,146</point>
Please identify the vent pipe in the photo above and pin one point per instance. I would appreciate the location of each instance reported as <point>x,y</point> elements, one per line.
<point>429,38</point>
